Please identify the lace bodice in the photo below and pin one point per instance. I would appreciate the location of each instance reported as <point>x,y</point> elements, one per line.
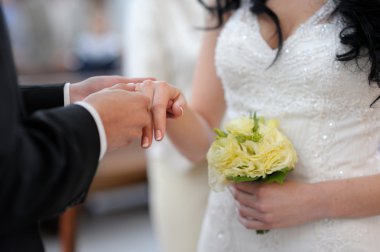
<point>323,107</point>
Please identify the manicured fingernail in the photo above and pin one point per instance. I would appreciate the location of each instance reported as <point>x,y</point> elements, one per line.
<point>158,135</point>
<point>145,143</point>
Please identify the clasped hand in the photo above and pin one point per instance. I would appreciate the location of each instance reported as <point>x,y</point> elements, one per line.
<point>262,206</point>
<point>130,108</point>
<point>166,102</point>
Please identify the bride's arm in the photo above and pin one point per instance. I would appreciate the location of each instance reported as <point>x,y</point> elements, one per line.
<point>193,132</point>
<point>268,206</point>
<point>351,198</point>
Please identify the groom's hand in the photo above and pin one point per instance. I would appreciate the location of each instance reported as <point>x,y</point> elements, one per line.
<point>80,90</point>
<point>124,114</point>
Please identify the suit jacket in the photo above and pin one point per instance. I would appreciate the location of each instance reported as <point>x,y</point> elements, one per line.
<point>48,155</point>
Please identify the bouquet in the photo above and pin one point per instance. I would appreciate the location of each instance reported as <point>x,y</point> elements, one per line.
<point>250,149</point>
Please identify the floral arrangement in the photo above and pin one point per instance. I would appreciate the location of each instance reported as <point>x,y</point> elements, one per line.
<point>250,149</point>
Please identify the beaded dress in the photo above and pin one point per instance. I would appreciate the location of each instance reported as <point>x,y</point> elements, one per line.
<point>323,107</point>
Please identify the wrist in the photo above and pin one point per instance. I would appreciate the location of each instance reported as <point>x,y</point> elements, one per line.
<point>322,197</point>
<point>76,93</point>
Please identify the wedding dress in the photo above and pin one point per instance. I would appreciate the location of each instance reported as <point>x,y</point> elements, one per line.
<point>323,107</point>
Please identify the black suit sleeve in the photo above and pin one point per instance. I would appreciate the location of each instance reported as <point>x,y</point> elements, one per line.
<point>42,97</point>
<point>47,162</point>
<point>47,158</point>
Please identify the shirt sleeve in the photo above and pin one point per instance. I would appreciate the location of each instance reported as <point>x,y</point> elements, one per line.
<point>94,114</point>
<point>66,94</point>
<point>99,124</point>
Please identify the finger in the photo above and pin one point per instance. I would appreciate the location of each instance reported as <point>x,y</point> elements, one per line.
<point>160,103</point>
<point>163,94</point>
<point>147,89</point>
<point>248,187</point>
<point>253,224</point>
<point>147,136</point>
<point>250,213</point>
<point>177,110</point>
<point>244,198</point>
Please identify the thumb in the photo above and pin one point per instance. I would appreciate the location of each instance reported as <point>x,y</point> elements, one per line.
<point>178,107</point>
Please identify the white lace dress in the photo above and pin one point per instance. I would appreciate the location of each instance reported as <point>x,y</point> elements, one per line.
<point>323,106</point>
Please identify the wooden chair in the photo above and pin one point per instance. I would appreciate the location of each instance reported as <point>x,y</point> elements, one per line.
<point>121,168</point>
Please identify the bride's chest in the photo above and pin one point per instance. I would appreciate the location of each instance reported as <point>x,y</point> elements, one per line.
<point>306,68</point>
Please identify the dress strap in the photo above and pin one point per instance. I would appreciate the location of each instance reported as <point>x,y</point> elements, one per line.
<point>323,14</point>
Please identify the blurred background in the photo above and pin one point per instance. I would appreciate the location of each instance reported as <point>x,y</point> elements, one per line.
<point>56,41</point>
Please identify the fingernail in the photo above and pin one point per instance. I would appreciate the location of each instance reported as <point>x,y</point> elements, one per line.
<point>158,135</point>
<point>145,143</point>
<point>182,112</point>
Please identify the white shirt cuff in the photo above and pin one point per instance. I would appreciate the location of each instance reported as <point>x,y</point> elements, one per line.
<point>66,94</point>
<point>99,124</point>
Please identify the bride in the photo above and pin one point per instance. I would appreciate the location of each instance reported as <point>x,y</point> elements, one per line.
<point>315,66</point>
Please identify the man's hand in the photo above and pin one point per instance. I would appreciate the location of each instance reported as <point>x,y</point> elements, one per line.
<point>80,90</point>
<point>124,114</point>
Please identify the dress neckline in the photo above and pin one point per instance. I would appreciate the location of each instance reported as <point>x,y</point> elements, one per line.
<point>320,15</point>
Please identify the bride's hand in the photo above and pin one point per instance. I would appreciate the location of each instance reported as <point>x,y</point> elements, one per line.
<point>167,102</point>
<point>269,206</point>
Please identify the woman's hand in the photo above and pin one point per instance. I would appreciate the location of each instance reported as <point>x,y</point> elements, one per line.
<point>167,102</point>
<point>269,206</point>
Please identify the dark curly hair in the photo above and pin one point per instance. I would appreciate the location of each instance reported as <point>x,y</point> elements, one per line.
<point>361,33</point>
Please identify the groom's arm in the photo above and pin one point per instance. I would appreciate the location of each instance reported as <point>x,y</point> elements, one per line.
<point>56,95</point>
<point>47,163</point>
<point>42,97</point>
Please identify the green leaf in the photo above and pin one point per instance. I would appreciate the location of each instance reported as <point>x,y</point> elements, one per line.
<point>220,132</point>
<point>240,179</point>
<point>241,138</point>
<point>256,137</point>
<point>277,177</point>
<point>255,123</point>
<point>262,232</point>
